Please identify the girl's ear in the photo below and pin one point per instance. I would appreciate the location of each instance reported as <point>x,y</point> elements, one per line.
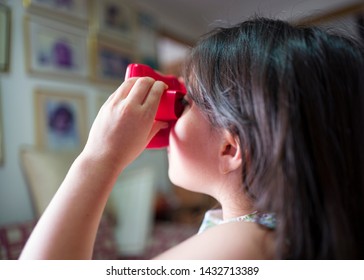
<point>230,157</point>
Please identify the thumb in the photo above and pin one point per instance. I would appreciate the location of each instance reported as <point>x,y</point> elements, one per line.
<point>157,125</point>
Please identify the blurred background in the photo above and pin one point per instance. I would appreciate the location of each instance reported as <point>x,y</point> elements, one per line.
<point>60,60</point>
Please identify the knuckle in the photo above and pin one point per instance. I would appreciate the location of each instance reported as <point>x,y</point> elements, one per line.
<point>147,81</point>
<point>128,81</point>
<point>126,108</point>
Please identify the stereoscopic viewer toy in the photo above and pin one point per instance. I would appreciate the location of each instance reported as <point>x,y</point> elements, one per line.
<point>170,107</point>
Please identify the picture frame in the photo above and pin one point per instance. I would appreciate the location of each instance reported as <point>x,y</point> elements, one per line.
<point>109,60</point>
<point>115,19</point>
<point>60,120</point>
<point>55,49</point>
<point>5,34</point>
<point>73,11</point>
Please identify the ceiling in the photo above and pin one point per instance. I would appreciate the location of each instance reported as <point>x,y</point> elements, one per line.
<point>195,17</point>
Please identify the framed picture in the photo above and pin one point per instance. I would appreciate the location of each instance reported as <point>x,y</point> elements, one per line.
<point>4,37</point>
<point>61,120</point>
<point>109,61</point>
<point>115,19</point>
<point>74,11</point>
<point>53,48</point>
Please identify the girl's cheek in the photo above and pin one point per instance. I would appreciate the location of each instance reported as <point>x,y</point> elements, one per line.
<point>178,130</point>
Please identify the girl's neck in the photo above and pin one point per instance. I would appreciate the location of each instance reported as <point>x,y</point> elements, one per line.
<point>235,205</point>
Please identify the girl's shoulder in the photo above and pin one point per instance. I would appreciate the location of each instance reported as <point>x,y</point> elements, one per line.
<point>239,240</point>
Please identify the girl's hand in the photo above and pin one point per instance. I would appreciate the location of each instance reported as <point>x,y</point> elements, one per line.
<point>120,132</point>
<point>125,123</point>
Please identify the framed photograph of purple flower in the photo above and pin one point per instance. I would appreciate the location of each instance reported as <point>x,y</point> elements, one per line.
<point>57,49</point>
<point>60,120</point>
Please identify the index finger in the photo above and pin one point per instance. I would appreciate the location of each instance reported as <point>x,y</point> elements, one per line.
<point>155,93</point>
<point>140,90</point>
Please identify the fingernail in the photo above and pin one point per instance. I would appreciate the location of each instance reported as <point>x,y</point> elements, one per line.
<point>164,85</point>
<point>164,125</point>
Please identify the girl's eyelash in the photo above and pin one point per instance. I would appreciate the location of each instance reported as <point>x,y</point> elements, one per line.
<point>185,101</point>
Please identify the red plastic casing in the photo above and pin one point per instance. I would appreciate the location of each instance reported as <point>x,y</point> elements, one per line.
<point>170,107</point>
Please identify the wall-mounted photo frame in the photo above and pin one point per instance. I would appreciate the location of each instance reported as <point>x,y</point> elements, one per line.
<point>52,48</point>
<point>109,60</point>
<point>115,19</point>
<point>71,11</point>
<point>5,31</point>
<point>60,120</point>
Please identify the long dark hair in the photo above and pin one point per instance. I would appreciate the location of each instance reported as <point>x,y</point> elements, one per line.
<point>294,96</point>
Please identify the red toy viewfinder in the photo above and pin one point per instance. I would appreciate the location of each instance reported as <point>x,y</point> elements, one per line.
<point>170,107</point>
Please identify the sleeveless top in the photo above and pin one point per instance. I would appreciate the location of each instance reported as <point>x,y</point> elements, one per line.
<point>214,217</point>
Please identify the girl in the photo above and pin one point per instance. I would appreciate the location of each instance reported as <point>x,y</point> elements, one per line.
<point>272,129</point>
